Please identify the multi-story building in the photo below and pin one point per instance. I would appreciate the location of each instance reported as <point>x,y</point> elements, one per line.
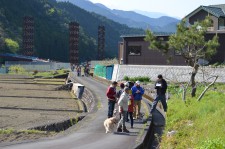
<point>134,49</point>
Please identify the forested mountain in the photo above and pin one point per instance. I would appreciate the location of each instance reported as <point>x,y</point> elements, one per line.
<point>130,18</point>
<point>51,28</point>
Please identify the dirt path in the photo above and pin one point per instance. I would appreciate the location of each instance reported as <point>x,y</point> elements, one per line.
<point>24,103</point>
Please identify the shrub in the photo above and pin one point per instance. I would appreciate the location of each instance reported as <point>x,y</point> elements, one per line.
<point>35,72</point>
<point>16,69</point>
<point>139,78</point>
<point>126,78</point>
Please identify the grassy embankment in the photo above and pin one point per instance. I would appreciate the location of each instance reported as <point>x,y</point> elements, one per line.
<point>198,124</point>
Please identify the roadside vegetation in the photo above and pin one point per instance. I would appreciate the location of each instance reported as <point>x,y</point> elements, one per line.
<point>10,135</point>
<point>196,124</point>
<point>139,78</point>
<point>18,69</point>
<point>11,131</point>
<point>50,74</point>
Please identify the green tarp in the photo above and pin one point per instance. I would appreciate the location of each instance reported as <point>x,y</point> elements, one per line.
<point>100,70</point>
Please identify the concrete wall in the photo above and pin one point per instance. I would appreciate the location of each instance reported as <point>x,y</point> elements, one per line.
<point>171,73</point>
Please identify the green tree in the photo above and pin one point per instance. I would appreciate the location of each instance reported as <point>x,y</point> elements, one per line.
<point>12,45</point>
<point>190,42</point>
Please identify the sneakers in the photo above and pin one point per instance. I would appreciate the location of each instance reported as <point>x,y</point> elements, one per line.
<point>119,129</point>
<point>125,130</point>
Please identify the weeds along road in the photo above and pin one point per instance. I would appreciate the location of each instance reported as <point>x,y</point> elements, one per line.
<point>90,132</point>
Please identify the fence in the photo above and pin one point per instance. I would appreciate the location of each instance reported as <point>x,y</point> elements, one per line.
<point>3,70</point>
<point>39,66</point>
<point>171,73</point>
<point>104,71</point>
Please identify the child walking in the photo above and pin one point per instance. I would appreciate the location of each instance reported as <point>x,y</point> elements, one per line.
<point>131,110</point>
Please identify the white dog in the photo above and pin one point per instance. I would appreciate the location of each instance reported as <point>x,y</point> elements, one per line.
<point>110,123</point>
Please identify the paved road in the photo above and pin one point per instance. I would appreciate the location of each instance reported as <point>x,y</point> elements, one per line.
<point>91,133</point>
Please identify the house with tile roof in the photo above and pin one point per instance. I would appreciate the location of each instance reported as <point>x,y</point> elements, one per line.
<point>216,13</point>
<point>134,50</point>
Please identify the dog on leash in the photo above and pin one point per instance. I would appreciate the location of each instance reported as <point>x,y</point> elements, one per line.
<point>110,124</point>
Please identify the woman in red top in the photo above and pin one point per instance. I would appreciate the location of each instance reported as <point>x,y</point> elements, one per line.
<point>131,110</point>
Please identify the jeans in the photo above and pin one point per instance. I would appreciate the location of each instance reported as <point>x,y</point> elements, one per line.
<point>131,118</point>
<point>111,105</point>
<point>122,120</point>
<point>162,98</point>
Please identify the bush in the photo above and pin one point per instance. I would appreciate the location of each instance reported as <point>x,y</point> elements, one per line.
<point>126,78</point>
<point>16,69</point>
<point>134,79</point>
<point>35,72</point>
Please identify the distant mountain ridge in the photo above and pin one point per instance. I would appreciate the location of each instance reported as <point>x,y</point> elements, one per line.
<point>129,18</point>
<point>51,35</point>
<point>151,14</point>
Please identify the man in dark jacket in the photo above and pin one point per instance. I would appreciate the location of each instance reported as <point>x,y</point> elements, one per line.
<point>161,87</point>
<point>111,94</point>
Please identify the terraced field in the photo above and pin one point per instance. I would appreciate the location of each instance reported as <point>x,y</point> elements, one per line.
<point>26,103</point>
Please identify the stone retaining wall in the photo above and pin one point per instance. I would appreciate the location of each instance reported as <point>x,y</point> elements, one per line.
<point>171,73</point>
<point>89,100</point>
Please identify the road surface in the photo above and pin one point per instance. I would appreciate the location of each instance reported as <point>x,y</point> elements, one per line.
<point>90,132</point>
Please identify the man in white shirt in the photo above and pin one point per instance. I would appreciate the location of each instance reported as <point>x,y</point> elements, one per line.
<point>123,108</point>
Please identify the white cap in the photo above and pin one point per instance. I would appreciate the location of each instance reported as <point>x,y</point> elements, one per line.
<point>138,82</point>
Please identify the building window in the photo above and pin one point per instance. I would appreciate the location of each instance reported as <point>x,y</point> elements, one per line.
<point>221,23</point>
<point>134,50</point>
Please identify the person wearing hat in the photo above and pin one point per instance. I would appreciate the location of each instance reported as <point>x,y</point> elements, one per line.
<point>123,108</point>
<point>137,92</point>
<point>161,87</point>
<point>111,94</point>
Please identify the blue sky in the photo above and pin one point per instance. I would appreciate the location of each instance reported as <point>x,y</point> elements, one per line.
<point>177,8</point>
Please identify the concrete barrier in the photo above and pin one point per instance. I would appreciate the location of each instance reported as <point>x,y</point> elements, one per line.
<point>78,90</point>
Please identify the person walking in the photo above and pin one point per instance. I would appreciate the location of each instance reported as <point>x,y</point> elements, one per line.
<point>78,70</point>
<point>119,93</point>
<point>111,94</point>
<point>123,108</point>
<point>137,92</point>
<point>131,110</point>
<point>161,87</point>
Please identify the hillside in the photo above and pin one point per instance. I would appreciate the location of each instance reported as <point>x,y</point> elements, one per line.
<point>51,28</point>
<point>129,18</point>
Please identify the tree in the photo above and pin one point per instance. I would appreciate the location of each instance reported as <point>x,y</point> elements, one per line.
<point>11,45</point>
<point>190,43</point>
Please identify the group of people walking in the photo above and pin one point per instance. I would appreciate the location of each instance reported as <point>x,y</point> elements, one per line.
<point>129,99</point>
<point>86,70</point>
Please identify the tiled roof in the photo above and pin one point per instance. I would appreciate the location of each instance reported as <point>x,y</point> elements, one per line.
<point>222,6</point>
<point>218,12</point>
